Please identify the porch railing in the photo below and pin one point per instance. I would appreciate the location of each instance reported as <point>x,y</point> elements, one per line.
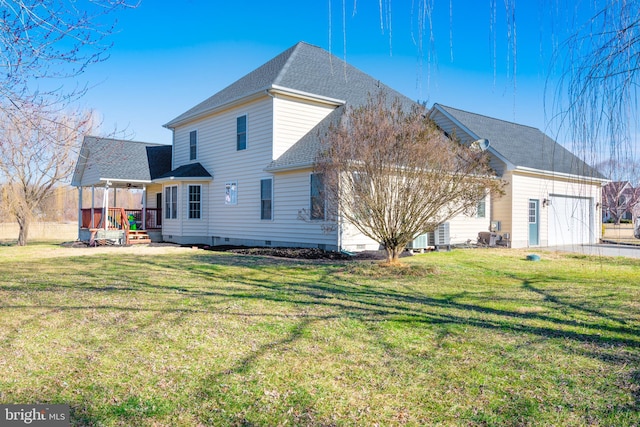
<point>117,218</point>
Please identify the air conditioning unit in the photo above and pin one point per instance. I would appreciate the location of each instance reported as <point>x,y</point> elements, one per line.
<point>441,235</point>
<point>420,242</point>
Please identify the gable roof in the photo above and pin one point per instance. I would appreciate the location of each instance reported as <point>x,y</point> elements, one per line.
<point>518,145</point>
<point>120,160</point>
<point>303,69</point>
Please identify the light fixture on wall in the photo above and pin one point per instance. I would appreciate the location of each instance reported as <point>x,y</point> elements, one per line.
<point>545,202</point>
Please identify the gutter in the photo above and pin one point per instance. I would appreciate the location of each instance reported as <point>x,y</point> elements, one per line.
<point>560,175</point>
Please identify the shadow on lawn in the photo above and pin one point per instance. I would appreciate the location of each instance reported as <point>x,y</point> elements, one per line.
<point>600,334</point>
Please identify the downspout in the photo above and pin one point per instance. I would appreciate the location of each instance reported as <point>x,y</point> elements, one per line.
<point>93,206</point>
<point>79,210</point>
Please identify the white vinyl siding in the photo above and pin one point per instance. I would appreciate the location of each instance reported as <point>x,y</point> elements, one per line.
<point>293,119</point>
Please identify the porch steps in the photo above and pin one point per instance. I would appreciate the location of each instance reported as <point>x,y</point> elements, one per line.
<point>137,237</point>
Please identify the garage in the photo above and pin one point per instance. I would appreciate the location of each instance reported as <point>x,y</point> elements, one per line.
<point>570,220</point>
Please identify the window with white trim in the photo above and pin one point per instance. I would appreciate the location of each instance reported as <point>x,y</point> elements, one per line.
<point>171,202</point>
<point>481,209</point>
<point>231,193</point>
<point>195,201</point>
<point>241,133</point>
<point>317,202</point>
<point>266,198</point>
<point>193,145</point>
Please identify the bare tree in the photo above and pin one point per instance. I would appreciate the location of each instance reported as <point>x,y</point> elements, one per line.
<point>394,175</point>
<point>596,99</point>
<point>51,39</point>
<point>37,151</point>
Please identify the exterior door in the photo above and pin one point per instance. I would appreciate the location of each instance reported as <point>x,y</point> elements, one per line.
<point>159,209</point>
<point>534,222</point>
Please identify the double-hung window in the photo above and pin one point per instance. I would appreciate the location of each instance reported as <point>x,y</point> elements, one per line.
<point>241,133</point>
<point>266,198</point>
<point>317,202</point>
<point>481,209</point>
<point>193,145</point>
<point>195,201</point>
<point>171,202</point>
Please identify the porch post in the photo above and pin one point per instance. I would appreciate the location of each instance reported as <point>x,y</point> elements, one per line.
<point>144,206</point>
<point>115,196</point>
<point>93,206</point>
<point>105,207</point>
<point>79,210</point>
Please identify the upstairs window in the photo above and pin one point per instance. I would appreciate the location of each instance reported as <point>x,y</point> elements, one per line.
<point>195,203</point>
<point>241,133</point>
<point>317,202</point>
<point>193,145</point>
<point>266,198</point>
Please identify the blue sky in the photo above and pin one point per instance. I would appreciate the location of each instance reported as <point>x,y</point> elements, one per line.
<point>168,56</point>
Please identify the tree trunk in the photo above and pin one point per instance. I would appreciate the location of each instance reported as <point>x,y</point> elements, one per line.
<point>393,254</point>
<point>23,223</point>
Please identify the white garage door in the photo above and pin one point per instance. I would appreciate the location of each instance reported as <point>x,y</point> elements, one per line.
<point>570,220</point>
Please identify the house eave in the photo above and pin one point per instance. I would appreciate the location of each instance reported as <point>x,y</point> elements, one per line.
<point>281,90</point>
<point>268,90</point>
<point>209,111</point>
<point>182,178</point>
<point>289,168</point>
<point>564,175</point>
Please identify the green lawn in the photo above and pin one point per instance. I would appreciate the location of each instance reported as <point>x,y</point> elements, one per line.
<point>470,337</point>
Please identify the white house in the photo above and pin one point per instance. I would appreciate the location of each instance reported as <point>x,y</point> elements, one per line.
<point>242,165</point>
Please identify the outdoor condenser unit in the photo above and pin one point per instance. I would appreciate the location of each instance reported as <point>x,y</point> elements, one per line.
<point>441,235</point>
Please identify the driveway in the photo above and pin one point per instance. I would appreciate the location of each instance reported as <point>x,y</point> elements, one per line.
<point>601,250</point>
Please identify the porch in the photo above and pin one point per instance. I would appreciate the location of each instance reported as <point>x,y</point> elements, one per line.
<point>120,225</point>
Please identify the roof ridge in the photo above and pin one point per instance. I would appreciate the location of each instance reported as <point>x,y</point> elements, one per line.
<point>290,59</point>
<point>105,138</point>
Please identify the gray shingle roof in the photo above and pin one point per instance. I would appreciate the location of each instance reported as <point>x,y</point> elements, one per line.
<point>192,170</point>
<point>124,160</point>
<point>522,145</point>
<point>305,68</point>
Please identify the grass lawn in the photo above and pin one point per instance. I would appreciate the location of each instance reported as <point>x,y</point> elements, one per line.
<point>196,338</point>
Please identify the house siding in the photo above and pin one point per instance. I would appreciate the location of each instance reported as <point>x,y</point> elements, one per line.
<point>464,228</point>
<point>294,118</point>
<point>292,192</point>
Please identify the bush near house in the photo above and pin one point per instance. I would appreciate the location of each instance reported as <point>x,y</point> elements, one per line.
<point>469,337</point>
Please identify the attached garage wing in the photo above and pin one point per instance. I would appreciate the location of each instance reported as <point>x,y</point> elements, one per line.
<point>570,220</point>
